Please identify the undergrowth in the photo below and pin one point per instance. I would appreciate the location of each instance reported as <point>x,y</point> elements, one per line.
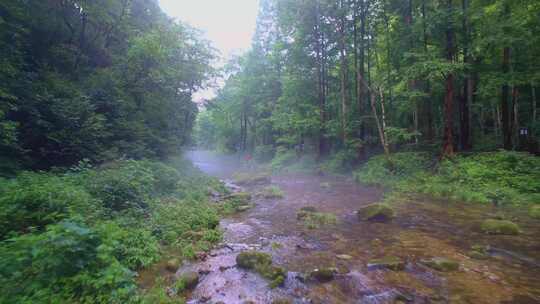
<point>79,236</point>
<point>501,177</point>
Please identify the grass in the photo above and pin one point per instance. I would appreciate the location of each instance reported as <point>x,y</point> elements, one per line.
<point>272,192</point>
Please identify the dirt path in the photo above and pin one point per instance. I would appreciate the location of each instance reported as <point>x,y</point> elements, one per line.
<point>422,230</point>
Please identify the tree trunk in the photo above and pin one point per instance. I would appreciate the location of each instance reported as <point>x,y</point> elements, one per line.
<point>464,109</point>
<point>448,146</point>
<point>533,97</point>
<point>506,126</point>
<point>343,74</point>
<point>429,132</point>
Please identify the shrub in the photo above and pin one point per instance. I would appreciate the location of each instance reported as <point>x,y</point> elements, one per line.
<point>283,159</point>
<point>33,200</point>
<point>340,162</point>
<point>388,171</point>
<point>500,177</point>
<point>123,185</point>
<point>68,261</point>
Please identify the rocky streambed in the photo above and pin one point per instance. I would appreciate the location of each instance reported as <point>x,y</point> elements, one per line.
<point>327,252</point>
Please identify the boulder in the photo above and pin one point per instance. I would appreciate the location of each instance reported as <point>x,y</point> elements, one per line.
<point>323,274</point>
<point>173,265</point>
<point>187,281</point>
<point>500,227</point>
<point>534,211</point>
<point>376,212</point>
<point>441,264</point>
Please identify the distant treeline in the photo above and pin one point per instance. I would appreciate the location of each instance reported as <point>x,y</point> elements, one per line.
<point>348,76</point>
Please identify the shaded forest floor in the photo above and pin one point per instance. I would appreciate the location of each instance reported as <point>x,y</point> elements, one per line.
<point>334,239</point>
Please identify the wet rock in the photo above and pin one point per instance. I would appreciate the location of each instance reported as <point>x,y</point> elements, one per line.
<point>282,301</point>
<point>376,212</point>
<point>534,212</point>
<point>326,274</point>
<point>503,227</point>
<point>325,185</point>
<point>187,281</point>
<point>441,264</point>
<point>390,262</point>
<point>344,257</point>
<point>173,265</point>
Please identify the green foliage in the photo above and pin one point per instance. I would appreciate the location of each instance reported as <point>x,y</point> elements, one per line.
<point>127,184</point>
<point>283,159</point>
<point>498,177</point>
<point>68,262</point>
<point>33,200</point>
<point>388,171</point>
<point>339,162</point>
<point>77,236</point>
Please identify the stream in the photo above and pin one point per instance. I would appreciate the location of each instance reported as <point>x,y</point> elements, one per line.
<point>422,229</point>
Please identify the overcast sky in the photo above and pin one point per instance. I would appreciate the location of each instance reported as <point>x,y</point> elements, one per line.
<point>228,24</point>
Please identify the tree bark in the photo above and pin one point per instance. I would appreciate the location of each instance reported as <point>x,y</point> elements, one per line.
<point>448,145</point>
<point>465,117</point>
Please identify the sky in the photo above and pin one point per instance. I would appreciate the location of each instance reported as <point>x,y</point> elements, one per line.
<point>228,24</point>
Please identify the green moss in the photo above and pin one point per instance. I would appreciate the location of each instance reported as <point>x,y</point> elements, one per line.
<point>390,262</point>
<point>376,212</point>
<point>500,227</point>
<point>236,202</point>
<point>272,192</point>
<point>441,264</point>
<point>534,212</point>
<point>262,263</point>
<point>313,219</point>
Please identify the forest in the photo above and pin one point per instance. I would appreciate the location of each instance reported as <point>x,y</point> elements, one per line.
<point>347,79</point>
<point>360,151</point>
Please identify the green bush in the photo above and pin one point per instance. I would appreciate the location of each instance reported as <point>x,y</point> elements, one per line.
<point>33,200</point>
<point>75,237</point>
<point>500,177</point>
<point>388,171</point>
<point>339,162</point>
<point>67,263</point>
<point>283,159</point>
<point>122,185</point>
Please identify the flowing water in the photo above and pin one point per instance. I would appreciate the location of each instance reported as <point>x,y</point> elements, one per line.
<point>422,229</point>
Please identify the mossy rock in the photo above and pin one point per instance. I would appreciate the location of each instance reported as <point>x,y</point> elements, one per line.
<point>251,259</point>
<point>173,265</point>
<point>477,255</point>
<point>326,274</point>
<point>376,212</point>
<point>503,227</point>
<point>239,197</point>
<point>187,281</point>
<point>262,263</point>
<point>441,264</point>
<point>305,212</point>
<point>390,262</point>
<point>252,178</point>
<point>534,212</point>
